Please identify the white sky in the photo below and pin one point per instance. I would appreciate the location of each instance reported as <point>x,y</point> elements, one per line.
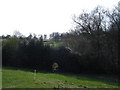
<point>43,16</point>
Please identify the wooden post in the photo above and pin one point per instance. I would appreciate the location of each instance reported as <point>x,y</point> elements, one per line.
<point>34,74</point>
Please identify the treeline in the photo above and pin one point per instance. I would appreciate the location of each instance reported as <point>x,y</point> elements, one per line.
<point>95,38</point>
<point>91,47</point>
<point>31,52</point>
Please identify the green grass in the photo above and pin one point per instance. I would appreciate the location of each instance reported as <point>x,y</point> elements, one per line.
<point>18,78</point>
<point>53,43</point>
<point>0,77</point>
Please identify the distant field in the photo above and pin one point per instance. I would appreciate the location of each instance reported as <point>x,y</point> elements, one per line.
<point>18,78</point>
<point>53,43</point>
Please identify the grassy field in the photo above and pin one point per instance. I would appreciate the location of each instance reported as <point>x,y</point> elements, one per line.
<point>18,78</point>
<point>53,43</point>
<point>0,77</point>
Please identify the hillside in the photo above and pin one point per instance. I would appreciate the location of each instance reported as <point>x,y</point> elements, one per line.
<point>21,78</point>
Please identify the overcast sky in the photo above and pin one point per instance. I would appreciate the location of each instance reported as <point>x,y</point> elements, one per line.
<point>43,16</point>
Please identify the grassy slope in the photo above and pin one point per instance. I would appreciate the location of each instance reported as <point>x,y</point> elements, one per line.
<point>16,78</point>
<point>0,77</point>
<point>53,43</point>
